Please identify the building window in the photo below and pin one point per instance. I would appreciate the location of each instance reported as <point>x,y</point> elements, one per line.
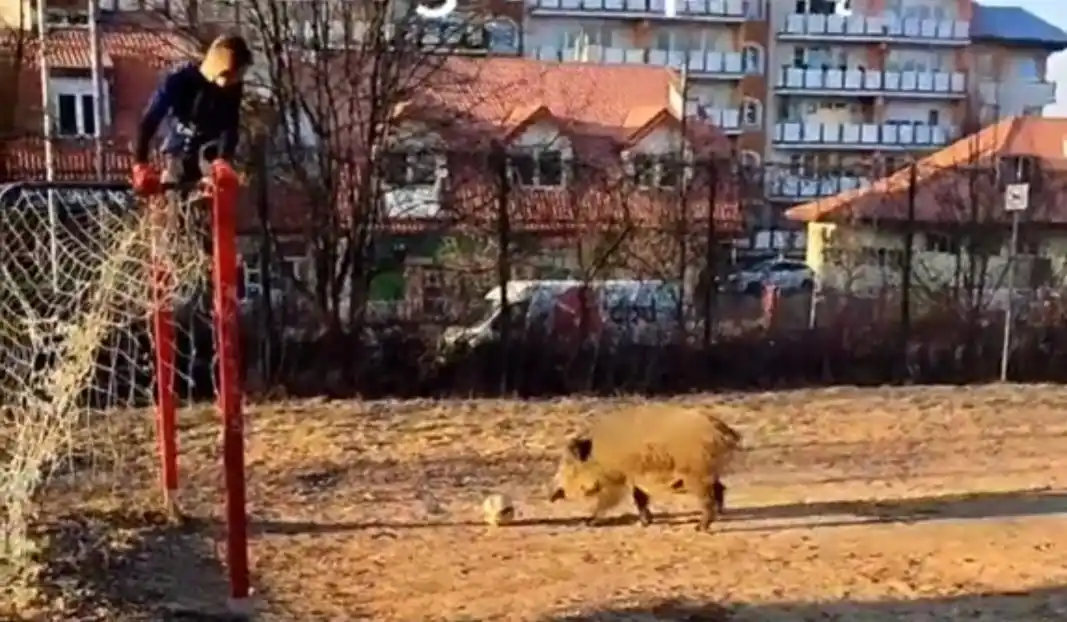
<point>251,285</point>
<point>751,113</point>
<point>74,107</point>
<point>1027,69</point>
<point>1018,170</point>
<point>655,171</point>
<point>410,168</point>
<point>503,35</point>
<point>752,59</point>
<point>65,18</point>
<point>538,168</point>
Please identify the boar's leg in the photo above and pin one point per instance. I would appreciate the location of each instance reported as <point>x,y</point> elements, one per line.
<point>644,515</point>
<point>719,491</point>
<point>607,497</point>
<point>709,507</point>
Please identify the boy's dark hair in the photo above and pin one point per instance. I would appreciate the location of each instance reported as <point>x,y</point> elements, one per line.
<point>234,46</point>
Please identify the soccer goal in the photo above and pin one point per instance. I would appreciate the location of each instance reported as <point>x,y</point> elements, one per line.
<point>90,279</point>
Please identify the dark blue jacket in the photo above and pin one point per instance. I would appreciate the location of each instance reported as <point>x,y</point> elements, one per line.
<point>201,114</point>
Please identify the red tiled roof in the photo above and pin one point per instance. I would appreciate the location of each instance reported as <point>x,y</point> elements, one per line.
<point>135,57</point>
<point>955,183</point>
<point>601,109</point>
<point>68,48</point>
<point>588,100</point>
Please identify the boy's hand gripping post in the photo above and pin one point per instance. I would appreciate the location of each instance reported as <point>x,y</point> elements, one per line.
<point>146,180</point>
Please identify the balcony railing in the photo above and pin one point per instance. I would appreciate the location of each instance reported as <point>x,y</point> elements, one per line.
<point>727,119</point>
<point>707,64</point>
<point>703,10</point>
<point>802,187</point>
<point>904,83</point>
<point>1014,97</point>
<point>861,135</point>
<point>874,29</point>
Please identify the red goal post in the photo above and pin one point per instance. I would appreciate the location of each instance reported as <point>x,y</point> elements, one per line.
<point>89,259</point>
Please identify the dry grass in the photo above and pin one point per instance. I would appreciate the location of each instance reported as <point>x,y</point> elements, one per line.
<point>934,504</point>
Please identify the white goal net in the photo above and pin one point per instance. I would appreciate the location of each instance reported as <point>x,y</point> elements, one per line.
<point>82,268</point>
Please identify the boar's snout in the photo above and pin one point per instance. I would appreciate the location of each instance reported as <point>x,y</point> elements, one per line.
<point>557,494</point>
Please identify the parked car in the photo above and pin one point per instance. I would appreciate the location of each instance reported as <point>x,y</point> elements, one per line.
<point>787,275</point>
<point>640,310</point>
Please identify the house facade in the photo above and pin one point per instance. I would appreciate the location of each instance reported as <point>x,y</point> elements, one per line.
<point>953,207</point>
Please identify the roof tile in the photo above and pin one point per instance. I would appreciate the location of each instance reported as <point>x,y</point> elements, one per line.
<point>1016,25</point>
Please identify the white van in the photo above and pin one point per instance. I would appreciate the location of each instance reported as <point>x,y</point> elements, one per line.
<point>627,309</point>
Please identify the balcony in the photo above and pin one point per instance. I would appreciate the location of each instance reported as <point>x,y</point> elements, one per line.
<point>864,29</point>
<point>691,10</point>
<point>911,84</point>
<point>861,136</point>
<point>793,187</point>
<point>1016,97</point>
<point>708,65</point>
<point>726,119</point>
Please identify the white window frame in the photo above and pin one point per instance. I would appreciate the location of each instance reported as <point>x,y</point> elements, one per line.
<point>749,104</point>
<point>78,88</point>
<point>752,58</point>
<point>66,18</point>
<point>253,280</point>
<point>658,161</point>
<point>253,277</point>
<point>537,153</point>
<point>411,157</point>
<point>751,159</point>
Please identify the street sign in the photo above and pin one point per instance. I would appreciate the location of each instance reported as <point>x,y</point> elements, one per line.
<point>1017,197</point>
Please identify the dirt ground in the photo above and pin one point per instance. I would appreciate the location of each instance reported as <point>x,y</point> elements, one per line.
<point>849,504</point>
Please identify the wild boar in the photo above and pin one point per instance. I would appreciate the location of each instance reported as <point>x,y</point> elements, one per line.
<point>639,452</point>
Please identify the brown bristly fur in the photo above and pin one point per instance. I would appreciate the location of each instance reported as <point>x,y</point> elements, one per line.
<point>651,449</point>
<point>665,440</point>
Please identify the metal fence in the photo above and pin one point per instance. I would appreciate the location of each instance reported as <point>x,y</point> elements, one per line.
<point>352,288</point>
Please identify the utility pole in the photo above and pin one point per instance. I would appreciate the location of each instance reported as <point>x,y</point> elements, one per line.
<point>909,254</point>
<point>710,260</point>
<point>98,86</point>
<point>500,162</point>
<point>683,195</point>
<point>1016,201</point>
<point>49,156</point>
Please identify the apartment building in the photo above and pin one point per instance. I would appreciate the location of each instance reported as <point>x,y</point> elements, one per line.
<point>823,95</point>
<point>820,95</point>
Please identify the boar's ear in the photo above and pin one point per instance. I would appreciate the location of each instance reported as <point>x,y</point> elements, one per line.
<point>580,448</point>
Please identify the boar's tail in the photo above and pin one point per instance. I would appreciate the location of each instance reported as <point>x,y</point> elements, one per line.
<point>724,443</point>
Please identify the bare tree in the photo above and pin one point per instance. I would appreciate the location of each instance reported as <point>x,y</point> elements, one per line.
<point>338,77</point>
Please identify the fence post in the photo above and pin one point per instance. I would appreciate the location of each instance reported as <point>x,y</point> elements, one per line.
<point>710,259</point>
<point>500,165</point>
<point>771,296</point>
<point>163,332</point>
<point>266,334</point>
<point>905,293</point>
<point>224,231</point>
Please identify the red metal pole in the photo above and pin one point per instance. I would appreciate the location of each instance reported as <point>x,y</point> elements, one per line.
<point>163,329</point>
<point>224,230</point>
